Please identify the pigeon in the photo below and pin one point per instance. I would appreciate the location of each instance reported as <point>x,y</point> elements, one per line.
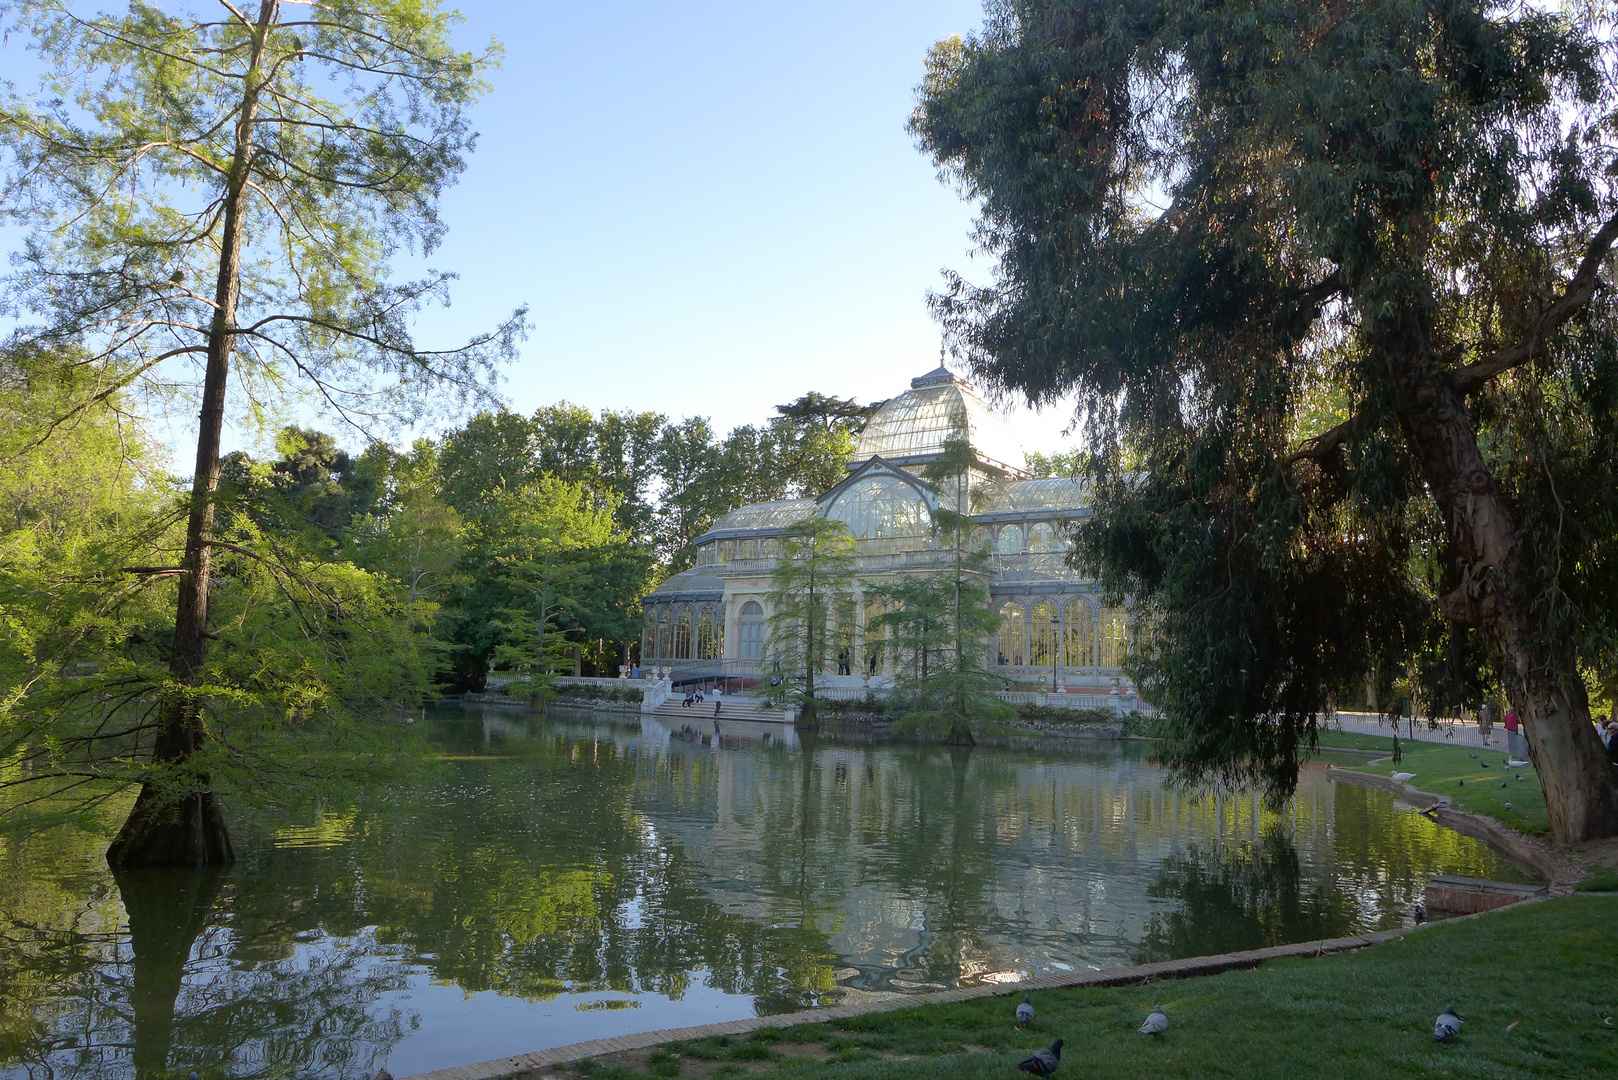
<point>1402,777</point>
<point>1025,1012</point>
<point>1483,764</point>
<point>1508,806</point>
<point>1156,1023</point>
<point>1460,783</point>
<point>1421,914</point>
<point>1044,1062</point>
<point>1502,783</point>
<point>1519,778</point>
<point>1447,1026</point>
<point>1471,755</point>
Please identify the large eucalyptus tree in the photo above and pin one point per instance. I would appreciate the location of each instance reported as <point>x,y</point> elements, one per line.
<point>212,195</point>
<point>1329,279</point>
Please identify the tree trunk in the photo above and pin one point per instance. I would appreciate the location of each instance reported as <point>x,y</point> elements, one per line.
<point>1581,786</point>
<point>185,827</point>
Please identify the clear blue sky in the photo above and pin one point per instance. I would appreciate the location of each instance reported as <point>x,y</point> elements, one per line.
<point>712,207</point>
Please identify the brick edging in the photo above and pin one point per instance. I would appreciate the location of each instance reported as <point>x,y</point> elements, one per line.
<point>1190,966</point>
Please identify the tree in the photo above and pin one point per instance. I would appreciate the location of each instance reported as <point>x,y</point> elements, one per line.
<point>939,625</point>
<point>535,559</point>
<point>1203,215</point>
<point>195,195</point>
<point>812,578</point>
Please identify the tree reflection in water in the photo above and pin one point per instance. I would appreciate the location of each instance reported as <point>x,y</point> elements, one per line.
<point>1251,897</point>
<point>551,860</point>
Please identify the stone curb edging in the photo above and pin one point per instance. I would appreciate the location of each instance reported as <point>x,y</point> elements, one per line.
<point>1192,966</point>
<point>1537,855</point>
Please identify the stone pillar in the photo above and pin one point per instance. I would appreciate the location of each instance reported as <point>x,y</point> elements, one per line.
<point>856,657</point>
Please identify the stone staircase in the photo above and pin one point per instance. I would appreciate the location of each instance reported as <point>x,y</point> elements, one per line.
<point>736,707</point>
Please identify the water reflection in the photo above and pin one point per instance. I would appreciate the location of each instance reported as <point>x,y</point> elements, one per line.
<point>583,876</point>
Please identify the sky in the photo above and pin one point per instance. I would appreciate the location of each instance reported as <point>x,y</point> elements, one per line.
<point>709,207</point>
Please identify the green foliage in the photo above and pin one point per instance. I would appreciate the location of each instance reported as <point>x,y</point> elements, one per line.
<point>358,125</point>
<point>311,654</point>
<point>810,590</point>
<point>1266,249</point>
<point>535,554</point>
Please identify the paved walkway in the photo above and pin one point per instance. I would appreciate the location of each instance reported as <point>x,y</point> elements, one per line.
<point>1168,969</point>
<point>1452,732</point>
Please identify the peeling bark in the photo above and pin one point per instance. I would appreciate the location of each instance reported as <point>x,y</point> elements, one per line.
<point>1581,786</point>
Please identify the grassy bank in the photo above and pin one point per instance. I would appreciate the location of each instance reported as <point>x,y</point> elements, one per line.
<point>1471,777</point>
<point>1549,968</point>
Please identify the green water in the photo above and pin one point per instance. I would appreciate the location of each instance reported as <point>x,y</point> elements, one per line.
<point>584,875</point>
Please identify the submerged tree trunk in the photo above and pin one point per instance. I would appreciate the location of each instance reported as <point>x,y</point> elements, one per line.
<point>1581,786</point>
<point>183,826</point>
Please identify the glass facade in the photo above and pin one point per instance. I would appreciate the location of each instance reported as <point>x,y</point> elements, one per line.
<point>1048,616</point>
<point>1013,635</point>
<point>883,508</point>
<point>1079,635</point>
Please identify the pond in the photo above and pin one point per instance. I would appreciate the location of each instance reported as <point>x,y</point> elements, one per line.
<point>582,875</point>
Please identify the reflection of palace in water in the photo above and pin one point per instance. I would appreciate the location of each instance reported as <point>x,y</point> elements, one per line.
<point>924,868</point>
<point>1054,631</point>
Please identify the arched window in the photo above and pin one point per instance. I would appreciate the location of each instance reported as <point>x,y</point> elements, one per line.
<point>1042,634</point>
<point>750,631</point>
<point>771,548</point>
<point>981,539</point>
<point>682,635</point>
<point>1079,635</point>
<point>710,635</point>
<point>727,550</point>
<point>747,549</point>
<point>1010,540</point>
<point>665,634</point>
<point>1013,636</point>
<point>1114,637</point>
<point>1042,537</point>
<point>883,507</point>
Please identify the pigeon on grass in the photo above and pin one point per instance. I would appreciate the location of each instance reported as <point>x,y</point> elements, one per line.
<point>1156,1023</point>
<point>1447,1026</point>
<point>1025,1012</point>
<point>1044,1062</point>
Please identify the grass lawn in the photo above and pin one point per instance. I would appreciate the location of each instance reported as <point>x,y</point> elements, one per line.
<point>1550,968</point>
<point>1471,777</point>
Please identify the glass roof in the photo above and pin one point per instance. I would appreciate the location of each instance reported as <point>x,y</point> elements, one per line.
<point>763,516</point>
<point>1056,493</point>
<point>698,581</point>
<point>936,406</point>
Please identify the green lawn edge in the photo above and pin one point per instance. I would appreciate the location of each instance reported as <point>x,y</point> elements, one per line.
<point>1537,985</point>
<point>1470,776</point>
